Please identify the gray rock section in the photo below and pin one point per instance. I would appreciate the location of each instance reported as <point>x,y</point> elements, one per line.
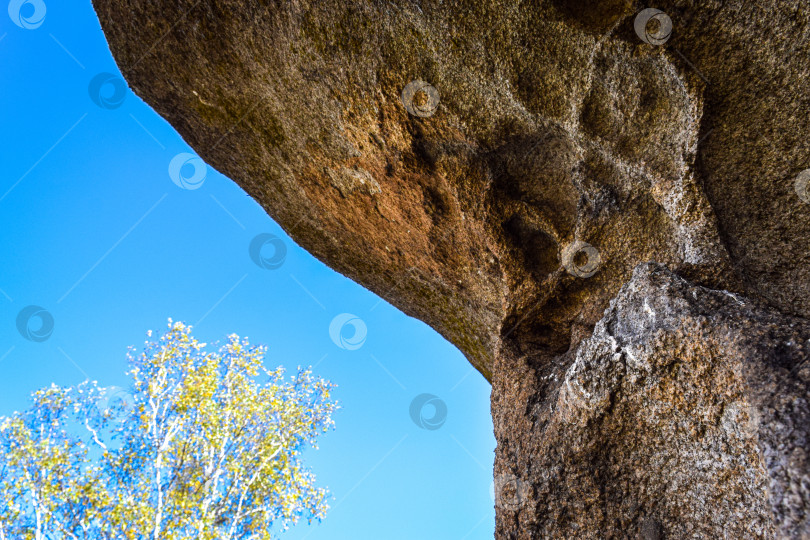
<point>684,415</point>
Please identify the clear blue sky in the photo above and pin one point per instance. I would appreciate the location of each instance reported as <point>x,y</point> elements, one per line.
<point>93,229</point>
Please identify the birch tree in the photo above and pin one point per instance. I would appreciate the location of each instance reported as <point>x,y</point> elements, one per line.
<point>204,444</point>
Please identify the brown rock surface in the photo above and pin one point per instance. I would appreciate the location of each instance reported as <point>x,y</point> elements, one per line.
<point>557,128</point>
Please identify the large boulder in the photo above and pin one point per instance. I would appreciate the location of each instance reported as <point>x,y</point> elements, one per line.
<point>499,168</point>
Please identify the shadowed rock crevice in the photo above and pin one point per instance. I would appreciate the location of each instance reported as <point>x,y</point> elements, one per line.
<point>562,152</point>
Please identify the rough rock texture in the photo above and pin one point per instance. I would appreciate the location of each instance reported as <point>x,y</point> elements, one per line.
<point>684,415</point>
<point>563,151</point>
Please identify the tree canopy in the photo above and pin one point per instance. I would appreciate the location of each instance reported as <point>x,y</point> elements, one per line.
<point>203,444</point>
